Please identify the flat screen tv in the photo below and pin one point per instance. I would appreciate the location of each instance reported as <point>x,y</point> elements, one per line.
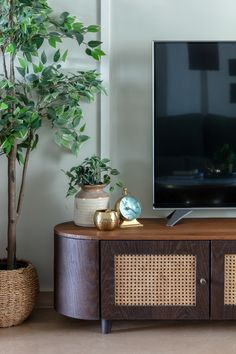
<point>194,124</point>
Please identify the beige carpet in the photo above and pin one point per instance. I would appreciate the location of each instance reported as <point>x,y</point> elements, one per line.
<point>46,332</point>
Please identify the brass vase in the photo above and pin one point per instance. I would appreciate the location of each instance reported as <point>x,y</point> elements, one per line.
<point>106,219</point>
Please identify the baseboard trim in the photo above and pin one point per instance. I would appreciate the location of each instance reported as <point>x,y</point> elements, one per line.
<point>45,300</point>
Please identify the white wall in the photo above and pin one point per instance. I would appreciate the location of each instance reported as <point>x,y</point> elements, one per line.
<point>45,204</point>
<point>134,24</point>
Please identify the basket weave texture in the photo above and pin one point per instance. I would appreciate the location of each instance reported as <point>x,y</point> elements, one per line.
<point>19,289</point>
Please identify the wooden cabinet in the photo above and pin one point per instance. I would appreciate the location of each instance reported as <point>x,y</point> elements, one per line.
<point>154,272</point>
<point>223,280</point>
<point>155,280</point>
<point>76,278</point>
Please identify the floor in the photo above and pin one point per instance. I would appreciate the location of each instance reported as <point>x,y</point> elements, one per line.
<point>46,332</point>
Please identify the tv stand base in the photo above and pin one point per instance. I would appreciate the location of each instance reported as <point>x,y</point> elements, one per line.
<point>176,216</point>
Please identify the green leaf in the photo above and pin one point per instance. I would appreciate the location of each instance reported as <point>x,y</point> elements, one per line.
<point>20,70</point>
<point>5,84</point>
<point>76,121</point>
<point>79,37</point>
<point>99,52</point>
<point>120,184</point>
<point>6,146</point>
<point>43,57</point>
<point>39,41</point>
<point>23,63</point>
<point>83,138</point>
<point>64,56</point>
<point>67,137</point>
<point>105,161</point>
<point>52,42</point>
<point>11,48</point>
<point>88,51</point>
<point>115,172</point>
<point>47,72</point>
<point>57,56</point>
<point>57,138</point>
<point>75,148</point>
<point>40,67</point>
<point>95,55</point>
<point>28,56</point>
<point>93,28</point>
<point>20,157</point>
<point>93,44</point>
<point>71,191</point>
<point>22,134</point>
<point>77,26</point>
<point>35,68</point>
<point>35,142</point>
<point>32,78</point>
<point>3,106</point>
<point>82,128</point>
<point>64,15</point>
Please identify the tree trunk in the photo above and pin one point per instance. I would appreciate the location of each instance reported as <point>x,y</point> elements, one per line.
<point>11,248</point>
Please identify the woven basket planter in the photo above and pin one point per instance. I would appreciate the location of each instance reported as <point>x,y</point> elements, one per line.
<point>19,289</point>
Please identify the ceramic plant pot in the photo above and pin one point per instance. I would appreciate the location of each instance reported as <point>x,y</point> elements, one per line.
<point>87,201</point>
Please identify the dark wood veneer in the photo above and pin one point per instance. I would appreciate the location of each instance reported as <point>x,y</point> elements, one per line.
<point>155,229</point>
<point>219,311</point>
<point>77,278</point>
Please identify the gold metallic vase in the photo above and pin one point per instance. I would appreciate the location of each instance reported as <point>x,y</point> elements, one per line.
<point>106,219</point>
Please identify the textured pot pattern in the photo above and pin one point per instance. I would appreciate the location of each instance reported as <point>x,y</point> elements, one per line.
<point>87,201</point>
<point>19,289</point>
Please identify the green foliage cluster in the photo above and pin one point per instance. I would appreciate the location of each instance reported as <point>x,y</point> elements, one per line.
<point>92,171</point>
<point>34,87</point>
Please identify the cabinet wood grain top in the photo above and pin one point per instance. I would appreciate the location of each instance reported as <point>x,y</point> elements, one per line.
<point>156,229</point>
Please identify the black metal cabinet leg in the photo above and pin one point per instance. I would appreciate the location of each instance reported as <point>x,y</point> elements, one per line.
<point>106,326</point>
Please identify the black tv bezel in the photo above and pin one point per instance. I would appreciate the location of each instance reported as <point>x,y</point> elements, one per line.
<point>177,206</point>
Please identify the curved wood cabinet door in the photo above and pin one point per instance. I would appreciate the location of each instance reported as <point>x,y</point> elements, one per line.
<point>155,280</point>
<point>223,280</point>
<point>76,278</point>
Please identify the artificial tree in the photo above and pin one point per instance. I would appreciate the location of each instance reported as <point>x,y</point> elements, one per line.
<point>34,88</point>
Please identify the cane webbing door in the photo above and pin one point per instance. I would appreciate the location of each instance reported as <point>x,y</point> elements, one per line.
<point>223,283</point>
<point>155,279</point>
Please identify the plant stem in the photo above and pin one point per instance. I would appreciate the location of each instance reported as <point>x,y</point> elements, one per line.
<point>11,247</point>
<point>11,256</point>
<point>12,68</point>
<point>12,56</point>
<point>4,63</point>
<point>23,179</point>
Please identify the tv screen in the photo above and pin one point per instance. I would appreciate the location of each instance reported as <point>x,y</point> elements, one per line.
<point>194,113</point>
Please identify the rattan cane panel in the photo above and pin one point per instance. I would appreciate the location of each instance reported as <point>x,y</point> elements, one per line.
<point>149,280</point>
<point>230,279</point>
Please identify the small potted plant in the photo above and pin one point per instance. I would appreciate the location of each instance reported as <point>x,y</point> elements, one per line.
<point>35,88</point>
<point>90,178</point>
